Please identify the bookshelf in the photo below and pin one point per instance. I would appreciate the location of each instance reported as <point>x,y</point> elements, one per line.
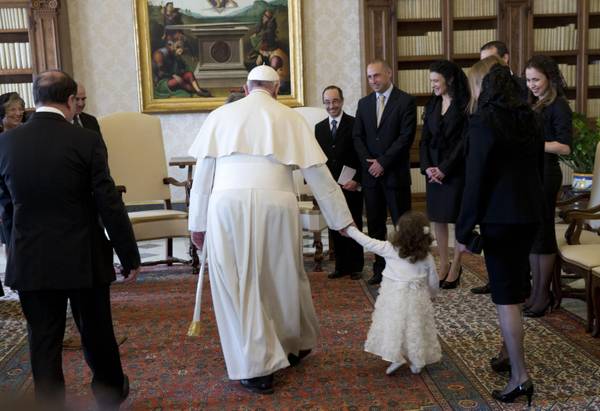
<point>29,44</point>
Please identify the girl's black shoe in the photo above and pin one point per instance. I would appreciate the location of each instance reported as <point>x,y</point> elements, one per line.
<point>449,285</point>
<point>525,388</point>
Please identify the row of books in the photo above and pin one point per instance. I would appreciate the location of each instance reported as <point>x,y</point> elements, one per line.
<point>25,90</point>
<point>593,108</point>
<point>594,38</point>
<point>418,9</point>
<point>469,41</point>
<point>428,45</point>
<point>474,8</point>
<point>555,38</point>
<point>414,81</point>
<point>594,6</point>
<point>15,56</point>
<point>569,72</point>
<point>554,6</point>
<point>594,73</point>
<point>13,19</point>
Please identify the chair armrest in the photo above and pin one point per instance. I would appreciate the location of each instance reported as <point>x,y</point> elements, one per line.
<point>121,189</point>
<point>176,183</point>
<point>574,199</point>
<point>576,220</point>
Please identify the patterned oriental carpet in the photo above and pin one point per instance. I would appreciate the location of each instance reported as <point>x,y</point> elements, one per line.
<point>169,370</point>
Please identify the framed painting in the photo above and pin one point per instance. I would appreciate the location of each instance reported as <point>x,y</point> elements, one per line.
<point>194,54</point>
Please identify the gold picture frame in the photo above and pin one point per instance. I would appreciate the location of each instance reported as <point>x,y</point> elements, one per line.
<point>193,54</point>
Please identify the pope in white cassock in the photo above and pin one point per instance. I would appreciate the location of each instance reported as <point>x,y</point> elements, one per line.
<point>261,294</point>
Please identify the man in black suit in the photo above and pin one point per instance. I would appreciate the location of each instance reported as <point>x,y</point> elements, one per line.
<point>334,135</point>
<point>83,119</point>
<point>384,130</point>
<point>55,186</point>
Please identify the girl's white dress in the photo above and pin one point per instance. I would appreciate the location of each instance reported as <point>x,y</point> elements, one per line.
<point>403,326</point>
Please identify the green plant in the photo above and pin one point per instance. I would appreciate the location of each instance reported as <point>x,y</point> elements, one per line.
<point>583,149</point>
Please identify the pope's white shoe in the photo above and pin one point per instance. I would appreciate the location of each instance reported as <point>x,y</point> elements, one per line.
<point>393,367</point>
<point>415,369</point>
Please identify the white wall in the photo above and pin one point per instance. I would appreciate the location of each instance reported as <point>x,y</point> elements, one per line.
<point>102,33</point>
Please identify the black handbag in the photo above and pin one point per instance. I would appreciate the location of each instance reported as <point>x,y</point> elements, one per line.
<point>475,245</point>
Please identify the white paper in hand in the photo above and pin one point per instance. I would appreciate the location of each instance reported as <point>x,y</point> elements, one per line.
<point>346,175</point>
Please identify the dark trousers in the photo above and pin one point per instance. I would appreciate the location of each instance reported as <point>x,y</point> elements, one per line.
<point>349,256</point>
<point>379,200</point>
<point>45,312</point>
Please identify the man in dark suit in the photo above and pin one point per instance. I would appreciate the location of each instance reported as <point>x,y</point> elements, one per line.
<point>55,186</point>
<point>334,135</point>
<point>384,130</point>
<point>83,119</point>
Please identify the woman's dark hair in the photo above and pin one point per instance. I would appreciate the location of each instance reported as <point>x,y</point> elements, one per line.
<point>412,236</point>
<point>501,106</point>
<point>548,67</point>
<point>456,81</point>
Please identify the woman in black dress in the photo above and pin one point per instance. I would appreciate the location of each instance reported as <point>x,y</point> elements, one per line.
<point>547,97</point>
<point>503,194</point>
<point>442,158</point>
<point>12,109</point>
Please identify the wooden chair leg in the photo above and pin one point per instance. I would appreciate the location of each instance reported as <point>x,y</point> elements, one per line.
<point>595,284</point>
<point>318,251</point>
<point>195,259</point>
<point>589,302</point>
<point>169,251</point>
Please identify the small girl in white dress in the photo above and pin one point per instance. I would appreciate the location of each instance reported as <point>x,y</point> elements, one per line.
<point>403,328</point>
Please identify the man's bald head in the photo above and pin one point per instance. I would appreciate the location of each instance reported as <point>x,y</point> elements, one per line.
<point>53,87</point>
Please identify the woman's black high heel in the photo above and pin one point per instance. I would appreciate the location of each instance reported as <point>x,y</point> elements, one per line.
<point>446,276</point>
<point>525,388</point>
<point>449,285</point>
<point>536,314</point>
<point>499,364</point>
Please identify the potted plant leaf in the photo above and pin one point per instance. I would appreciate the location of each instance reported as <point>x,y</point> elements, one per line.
<point>585,139</point>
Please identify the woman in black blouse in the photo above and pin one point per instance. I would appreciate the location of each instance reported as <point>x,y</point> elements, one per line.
<point>503,194</point>
<point>547,97</point>
<point>442,158</point>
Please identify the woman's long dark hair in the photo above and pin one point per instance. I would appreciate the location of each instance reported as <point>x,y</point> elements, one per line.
<point>500,100</point>
<point>556,82</point>
<point>456,81</point>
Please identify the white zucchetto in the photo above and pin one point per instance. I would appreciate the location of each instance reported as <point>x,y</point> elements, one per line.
<point>263,73</point>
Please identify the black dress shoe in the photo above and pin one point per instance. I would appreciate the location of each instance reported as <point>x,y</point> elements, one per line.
<point>356,276</point>
<point>295,359</point>
<point>125,390</point>
<point>484,289</point>
<point>376,279</point>
<point>259,385</point>
<point>336,274</point>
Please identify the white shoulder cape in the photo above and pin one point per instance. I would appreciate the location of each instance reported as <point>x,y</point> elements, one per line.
<point>258,125</point>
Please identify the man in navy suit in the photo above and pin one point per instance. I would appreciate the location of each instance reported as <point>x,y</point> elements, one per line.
<point>384,130</point>
<point>334,135</point>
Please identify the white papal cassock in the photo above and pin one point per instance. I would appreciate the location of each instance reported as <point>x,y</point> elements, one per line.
<point>246,151</point>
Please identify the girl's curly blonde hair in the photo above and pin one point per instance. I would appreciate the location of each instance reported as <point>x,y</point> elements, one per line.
<point>412,236</point>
